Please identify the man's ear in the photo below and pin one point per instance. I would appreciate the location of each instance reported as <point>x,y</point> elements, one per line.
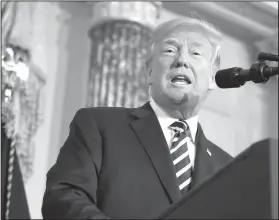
<point>212,83</point>
<point>148,72</point>
<point>149,77</point>
<point>215,66</point>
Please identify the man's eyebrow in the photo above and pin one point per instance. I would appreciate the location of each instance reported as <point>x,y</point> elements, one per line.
<point>171,41</point>
<point>196,43</point>
<point>175,42</point>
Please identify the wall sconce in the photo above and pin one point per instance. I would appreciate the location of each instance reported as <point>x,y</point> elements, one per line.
<point>14,73</point>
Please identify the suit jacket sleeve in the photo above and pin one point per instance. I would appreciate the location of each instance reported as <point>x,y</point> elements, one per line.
<point>72,182</point>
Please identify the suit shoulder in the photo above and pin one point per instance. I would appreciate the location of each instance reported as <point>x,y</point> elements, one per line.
<point>100,112</point>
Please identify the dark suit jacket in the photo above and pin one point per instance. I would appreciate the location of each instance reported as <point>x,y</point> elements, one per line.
<point>116,164</point>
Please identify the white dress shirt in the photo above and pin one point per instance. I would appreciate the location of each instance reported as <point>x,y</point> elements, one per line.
<point>165,121</point>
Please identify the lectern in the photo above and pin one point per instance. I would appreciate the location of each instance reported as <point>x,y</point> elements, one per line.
<point>241,190</point>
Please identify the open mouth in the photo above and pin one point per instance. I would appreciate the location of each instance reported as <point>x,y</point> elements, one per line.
<point>181,80</point>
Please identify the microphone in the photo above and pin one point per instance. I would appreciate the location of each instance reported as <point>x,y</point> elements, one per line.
<point>236,77</point>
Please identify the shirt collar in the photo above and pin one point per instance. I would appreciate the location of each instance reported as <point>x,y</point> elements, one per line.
<point>166,120</point>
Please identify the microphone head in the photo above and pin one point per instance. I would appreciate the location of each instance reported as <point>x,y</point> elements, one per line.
<point>227,78</point>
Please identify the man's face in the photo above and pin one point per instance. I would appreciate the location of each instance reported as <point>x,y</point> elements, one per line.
<point>181,69</point>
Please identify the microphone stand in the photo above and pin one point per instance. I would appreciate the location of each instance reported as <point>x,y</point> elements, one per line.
<point>257,68</point>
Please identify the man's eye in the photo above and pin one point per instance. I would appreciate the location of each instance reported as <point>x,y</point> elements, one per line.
<point>196,53</point>
<point>170,50</point>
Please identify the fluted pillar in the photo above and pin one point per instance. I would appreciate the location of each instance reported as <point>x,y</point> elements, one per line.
<point>120,35</point>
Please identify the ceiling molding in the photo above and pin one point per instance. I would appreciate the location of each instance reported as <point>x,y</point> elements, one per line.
<point>269,7</point>
<point>245,20</point>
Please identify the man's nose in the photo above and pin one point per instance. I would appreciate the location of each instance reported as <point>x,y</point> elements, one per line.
<point>182,61</point>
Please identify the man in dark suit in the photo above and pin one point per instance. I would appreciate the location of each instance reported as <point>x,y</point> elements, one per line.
<point>134,163</point>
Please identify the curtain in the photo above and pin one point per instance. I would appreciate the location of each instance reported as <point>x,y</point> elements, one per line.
<point>13,199</point>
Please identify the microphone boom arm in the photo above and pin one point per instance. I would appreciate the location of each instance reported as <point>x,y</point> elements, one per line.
<point>259,72</point>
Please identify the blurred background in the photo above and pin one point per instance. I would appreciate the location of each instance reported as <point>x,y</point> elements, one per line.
<point>58,57</point>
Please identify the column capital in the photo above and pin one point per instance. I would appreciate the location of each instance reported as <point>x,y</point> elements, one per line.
<point>145,13</point>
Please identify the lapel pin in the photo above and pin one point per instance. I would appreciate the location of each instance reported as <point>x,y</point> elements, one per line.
<point>209,153</point>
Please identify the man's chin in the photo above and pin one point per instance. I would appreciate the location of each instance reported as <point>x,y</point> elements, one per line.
<point>178,99</point>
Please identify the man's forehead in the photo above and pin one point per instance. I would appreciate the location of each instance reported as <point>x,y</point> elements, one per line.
<point>193,38</point>
<point>190,39</point>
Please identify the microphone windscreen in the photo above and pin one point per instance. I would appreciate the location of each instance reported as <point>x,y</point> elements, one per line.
<point>226,78</point>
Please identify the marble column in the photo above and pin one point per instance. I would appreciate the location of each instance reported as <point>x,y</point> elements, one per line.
<point>120,35</point>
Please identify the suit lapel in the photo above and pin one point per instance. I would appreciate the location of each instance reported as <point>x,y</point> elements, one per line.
<point>204,166</point>
<point>147,128</point>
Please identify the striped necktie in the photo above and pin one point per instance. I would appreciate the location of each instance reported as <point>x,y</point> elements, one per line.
<point>180,154</point>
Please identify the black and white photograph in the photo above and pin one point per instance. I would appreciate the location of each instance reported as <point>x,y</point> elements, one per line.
<point>139,110</point>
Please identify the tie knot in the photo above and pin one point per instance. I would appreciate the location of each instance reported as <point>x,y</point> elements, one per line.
<point>179,126</point>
